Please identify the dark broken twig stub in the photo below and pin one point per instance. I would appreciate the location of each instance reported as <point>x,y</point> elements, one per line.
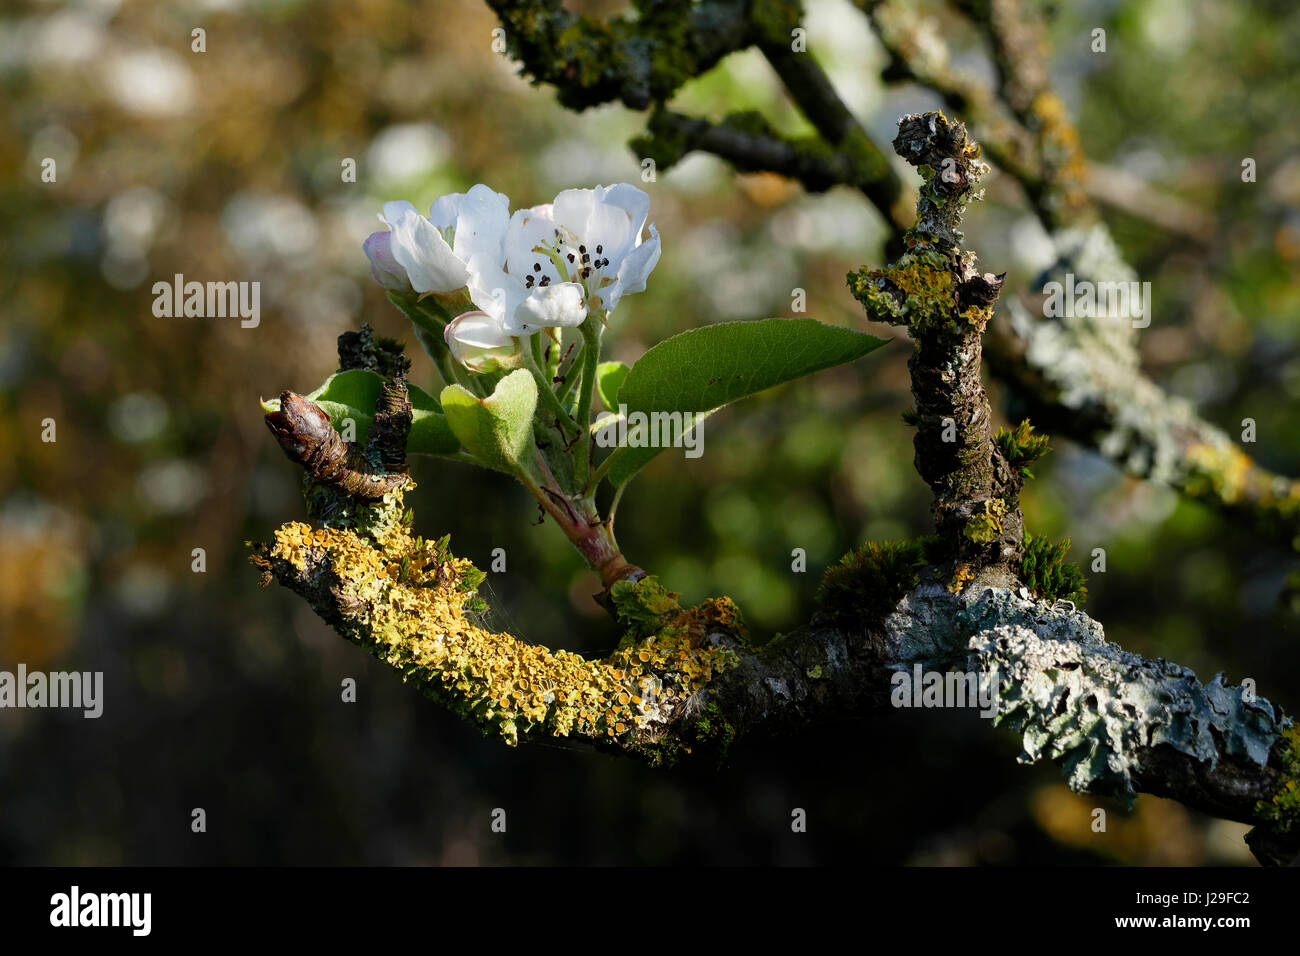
<point>309,439</point>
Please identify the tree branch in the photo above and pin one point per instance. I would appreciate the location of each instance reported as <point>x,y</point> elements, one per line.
<point>693,686</point>
<point>688,683</point>
<point>749,144</point>
<point>1081,376</point>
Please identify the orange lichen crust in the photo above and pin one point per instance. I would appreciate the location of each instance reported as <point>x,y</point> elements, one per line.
<point>403,599</point>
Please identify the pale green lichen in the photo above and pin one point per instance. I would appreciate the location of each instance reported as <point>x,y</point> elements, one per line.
<point>1098,709</point>
<point>1075,697</point>
<point>1090,365</point>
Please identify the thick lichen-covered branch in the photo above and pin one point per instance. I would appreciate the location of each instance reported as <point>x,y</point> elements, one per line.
<point>404,599</point>
<point>1117,723</point>
<point>688,683</point>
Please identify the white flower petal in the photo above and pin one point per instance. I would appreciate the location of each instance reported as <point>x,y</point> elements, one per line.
<point>556,305</point>
<point>493,291</point>
<point>631,199</point>
<point>481,220</point>
<point>634,270</point>
<point>572,210</point>
<point>422,251</point>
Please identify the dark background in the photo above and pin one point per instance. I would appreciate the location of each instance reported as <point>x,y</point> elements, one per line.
<point>224,165</point>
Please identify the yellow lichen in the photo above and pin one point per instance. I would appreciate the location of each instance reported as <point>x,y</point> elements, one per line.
<point>962,575</point>
<point>1060,147</point>
<point>977,317</point>
<point>408,610</point>
<point>985,524</point>
<point>1223,468</point>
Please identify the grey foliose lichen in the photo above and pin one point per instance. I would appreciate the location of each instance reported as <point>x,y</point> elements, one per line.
<point>933,626</point>
<point>1073,696</point>
<point>1096,708</point>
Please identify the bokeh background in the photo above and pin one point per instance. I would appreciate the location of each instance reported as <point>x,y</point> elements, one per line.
<point>225,165</point>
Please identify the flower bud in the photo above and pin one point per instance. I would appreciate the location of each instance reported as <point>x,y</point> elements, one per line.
<point>478,342</point>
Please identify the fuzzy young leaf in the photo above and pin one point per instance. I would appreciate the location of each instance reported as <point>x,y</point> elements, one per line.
<point>497,430</point>
<point>706,368</point>
<point>352,395</point>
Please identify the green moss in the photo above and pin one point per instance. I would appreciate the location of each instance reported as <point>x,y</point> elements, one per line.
<point>1282,810</point>
<point>1021,446</point>
<point>713,731</point>
<point>868,582</point>
<point>1045,572</point>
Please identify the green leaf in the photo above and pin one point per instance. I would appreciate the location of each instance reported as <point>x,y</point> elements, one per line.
<point>609,379</point>
<point>706,368</point>
<point>497,430</point>
<point>352,395</point>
